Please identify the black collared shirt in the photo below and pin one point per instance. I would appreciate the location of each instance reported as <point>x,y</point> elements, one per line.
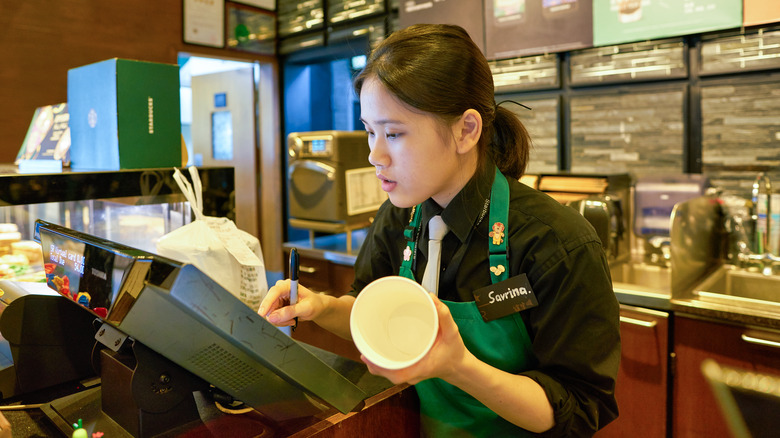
<point>574,330</point>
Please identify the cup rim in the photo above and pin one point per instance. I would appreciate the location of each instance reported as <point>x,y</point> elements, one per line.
<point>369,353</point>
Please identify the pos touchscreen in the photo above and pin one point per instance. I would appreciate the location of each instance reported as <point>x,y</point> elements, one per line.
<point>183,315</point>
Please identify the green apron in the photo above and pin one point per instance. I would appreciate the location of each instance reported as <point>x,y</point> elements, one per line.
<point>445,410</point>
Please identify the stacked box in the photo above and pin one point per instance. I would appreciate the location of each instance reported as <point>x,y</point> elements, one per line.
<point>124,114</point>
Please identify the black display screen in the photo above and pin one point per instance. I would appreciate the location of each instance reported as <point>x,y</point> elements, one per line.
<point>88,273</point>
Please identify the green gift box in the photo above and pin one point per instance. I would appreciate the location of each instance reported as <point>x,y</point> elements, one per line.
<point>124,114</point>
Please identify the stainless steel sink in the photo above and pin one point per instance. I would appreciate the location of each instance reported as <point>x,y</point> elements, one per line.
<point>733,286</point>
<point>694,251</point>
<point>642,278</point>
<point>642,285</point>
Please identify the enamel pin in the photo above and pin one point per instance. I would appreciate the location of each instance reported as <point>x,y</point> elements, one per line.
<point>498,233</point>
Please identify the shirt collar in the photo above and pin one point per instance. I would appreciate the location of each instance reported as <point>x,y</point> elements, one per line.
<point>465,210</point>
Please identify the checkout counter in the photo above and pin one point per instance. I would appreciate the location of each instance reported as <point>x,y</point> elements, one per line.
<point>152,375</point>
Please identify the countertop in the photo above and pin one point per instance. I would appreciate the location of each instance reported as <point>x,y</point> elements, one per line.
<point>332,247</point>
<point>44,413</point>
<point>394,408</point>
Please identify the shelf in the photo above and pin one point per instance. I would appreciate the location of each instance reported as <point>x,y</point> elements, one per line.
<point>150,186</point>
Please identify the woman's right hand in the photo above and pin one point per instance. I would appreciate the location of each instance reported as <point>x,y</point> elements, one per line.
<point>5,427</point>
<point>276,307</point>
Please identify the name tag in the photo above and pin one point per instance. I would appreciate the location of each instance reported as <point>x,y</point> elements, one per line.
<point>505,298</point>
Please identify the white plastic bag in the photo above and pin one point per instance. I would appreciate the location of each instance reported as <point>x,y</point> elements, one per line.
<point>230,256</point>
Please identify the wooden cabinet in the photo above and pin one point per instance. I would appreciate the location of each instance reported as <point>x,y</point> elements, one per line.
<point>325,276</point>
<point>334,279</point>
<point>642,383</point>
<point>696,412</point>
<point>394,413</point>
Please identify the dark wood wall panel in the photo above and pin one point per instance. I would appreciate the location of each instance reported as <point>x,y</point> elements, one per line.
<point>41,39</point>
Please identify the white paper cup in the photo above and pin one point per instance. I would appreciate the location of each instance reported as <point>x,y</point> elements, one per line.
<point>394,322</point>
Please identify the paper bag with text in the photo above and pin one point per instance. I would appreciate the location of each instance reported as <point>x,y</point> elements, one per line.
<point>230,256</point>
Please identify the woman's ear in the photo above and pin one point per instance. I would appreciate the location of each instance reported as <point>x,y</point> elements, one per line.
<point>468,130</point>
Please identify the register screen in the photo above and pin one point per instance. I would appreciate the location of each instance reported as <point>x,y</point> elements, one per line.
<point>87,274</point>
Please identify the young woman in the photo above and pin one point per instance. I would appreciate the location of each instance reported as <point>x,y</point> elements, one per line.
<point>441,146</point>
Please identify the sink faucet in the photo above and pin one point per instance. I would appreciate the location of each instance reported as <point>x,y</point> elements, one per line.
<point>762,203</point>
<point>763,224</point>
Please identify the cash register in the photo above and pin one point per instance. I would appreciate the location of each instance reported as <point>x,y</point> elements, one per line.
<point>168,337</point>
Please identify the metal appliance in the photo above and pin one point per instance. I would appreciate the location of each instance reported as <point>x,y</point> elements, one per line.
<point>332,186</point>
<point>655,197</point>
<point>603,199</point>
<point>604,212</point>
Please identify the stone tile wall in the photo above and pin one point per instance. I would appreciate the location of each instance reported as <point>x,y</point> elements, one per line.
<point>741,134</point>
<point>542,124</point>
<point>638,132</point>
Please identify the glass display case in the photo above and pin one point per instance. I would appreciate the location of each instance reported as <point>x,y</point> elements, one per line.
<point>132,207</point>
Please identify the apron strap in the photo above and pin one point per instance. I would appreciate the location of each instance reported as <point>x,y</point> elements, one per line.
<point>497,247</point>
<point>499,221</point>
<point>410,251</point>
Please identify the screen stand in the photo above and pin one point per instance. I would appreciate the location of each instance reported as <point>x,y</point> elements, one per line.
<point>142,394</point>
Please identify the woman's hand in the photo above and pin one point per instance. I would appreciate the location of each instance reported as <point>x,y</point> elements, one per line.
<point>276,306</point>
<point>443,360</point>
<point>5,427</point>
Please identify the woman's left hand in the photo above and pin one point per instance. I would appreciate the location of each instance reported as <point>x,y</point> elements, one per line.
<point>5,427</point>
<point>443,359</point>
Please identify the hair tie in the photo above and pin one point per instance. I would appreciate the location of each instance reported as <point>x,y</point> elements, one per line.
<point>516,103</point>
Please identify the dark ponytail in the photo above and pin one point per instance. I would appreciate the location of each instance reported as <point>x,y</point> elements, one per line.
<point>437,68</point>
<point>511,144</point>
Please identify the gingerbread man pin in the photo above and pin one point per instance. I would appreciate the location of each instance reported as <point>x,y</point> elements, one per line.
<point>498,233</point>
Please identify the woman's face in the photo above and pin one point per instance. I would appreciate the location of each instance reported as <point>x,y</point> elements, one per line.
<point>414,154</point>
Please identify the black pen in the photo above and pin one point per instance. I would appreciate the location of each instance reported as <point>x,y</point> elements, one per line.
<point>294,281</point>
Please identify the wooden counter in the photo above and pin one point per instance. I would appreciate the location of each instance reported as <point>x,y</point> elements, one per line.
<point>394,412</point>
<point>391,413</point>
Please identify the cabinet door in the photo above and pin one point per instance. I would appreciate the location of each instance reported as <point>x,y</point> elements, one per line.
<point>696,412</point>
<point>314,274</point>
<point>641,387</point>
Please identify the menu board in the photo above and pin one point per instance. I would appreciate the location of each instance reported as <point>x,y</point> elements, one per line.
<point>527,27</point>
<point>761,12</point>
<point>623,21</point>
<point>465,13</point>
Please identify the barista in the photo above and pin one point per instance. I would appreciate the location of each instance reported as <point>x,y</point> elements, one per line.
<point>441,146</point>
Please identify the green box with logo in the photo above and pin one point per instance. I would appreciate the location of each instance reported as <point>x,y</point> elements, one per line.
<point>124,114</point>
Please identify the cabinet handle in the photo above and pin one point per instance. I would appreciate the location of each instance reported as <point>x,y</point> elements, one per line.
<point>634,321</point>
<point>758,341</point>
<point>307,269</point>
